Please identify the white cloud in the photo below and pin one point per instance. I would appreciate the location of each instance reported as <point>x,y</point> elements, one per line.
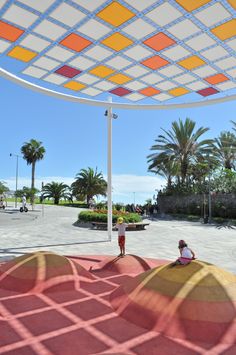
<point>125,188</point>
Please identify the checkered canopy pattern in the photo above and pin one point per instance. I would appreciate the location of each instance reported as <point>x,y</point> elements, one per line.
<point>132,49</point>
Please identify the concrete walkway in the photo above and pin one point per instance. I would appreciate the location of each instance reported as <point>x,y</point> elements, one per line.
<point>54,229</point>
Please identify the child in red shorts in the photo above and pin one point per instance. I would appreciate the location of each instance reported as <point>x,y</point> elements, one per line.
<point>121,226</point>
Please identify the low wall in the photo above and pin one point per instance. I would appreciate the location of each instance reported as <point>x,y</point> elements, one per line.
<point>222,205</point>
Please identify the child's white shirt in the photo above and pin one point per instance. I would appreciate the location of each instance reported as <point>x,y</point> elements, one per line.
<point>121,228</point>
<point>186,253</point>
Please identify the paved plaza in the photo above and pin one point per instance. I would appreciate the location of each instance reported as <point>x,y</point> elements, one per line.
<point>54,228</point>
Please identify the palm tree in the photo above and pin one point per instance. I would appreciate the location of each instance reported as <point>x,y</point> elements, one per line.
<point>224,150</point>
<point>234,123</point>
<point>181,146</point>
<point>56,191</point>
<point>166,168</point>
<point>32,152</point>
<point>89,183</point>
<point>3,187</point>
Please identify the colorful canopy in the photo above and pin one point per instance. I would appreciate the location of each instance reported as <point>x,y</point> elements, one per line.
<point>133,49</point>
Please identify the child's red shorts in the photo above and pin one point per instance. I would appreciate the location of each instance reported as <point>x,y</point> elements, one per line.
<point>121,240</point>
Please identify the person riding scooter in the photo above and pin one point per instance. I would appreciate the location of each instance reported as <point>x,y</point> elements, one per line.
<point>23,207</point>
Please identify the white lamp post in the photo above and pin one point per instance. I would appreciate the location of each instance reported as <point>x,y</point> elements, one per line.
<point>110,116</point>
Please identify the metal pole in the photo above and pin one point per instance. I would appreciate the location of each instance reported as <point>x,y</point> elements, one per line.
<point>134,198</point>
<point>16,180</point>
<point>209,199</point>
<point>42,202</point>
<point>109,171</point>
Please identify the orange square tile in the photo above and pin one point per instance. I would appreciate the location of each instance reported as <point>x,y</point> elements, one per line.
<point>191,62</point>
<point>120,79</point>
<point>216,79</point>
<point>232,3</point>
<point>117,42</point>
<point>22,54</point>
<point>226,30</point>
<point>149,91</point>
<point>159,41</point>
<point>155,62</point>
<point>102,71</point>
<point>178,91</point>
<point>75,42</point>
<point>190,5</point>
<point>9,32</point>
<point>115,14</point>
<point>74,85</point>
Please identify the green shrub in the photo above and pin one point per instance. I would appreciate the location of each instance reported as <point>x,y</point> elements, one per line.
<point>95,216</point>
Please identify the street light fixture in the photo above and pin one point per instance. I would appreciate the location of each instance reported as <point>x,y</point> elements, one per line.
<point>17,156</point>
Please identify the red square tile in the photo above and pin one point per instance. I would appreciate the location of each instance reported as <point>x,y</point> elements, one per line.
<point>45,322</point>
<point>207,91</point>
<point>7,334</point>
<point>64,295</point>
<point>167,346</point>
<point>89,309</point>
<point>23,304</point>
<point>77,342</point>
<point>67,71</point>
<point>96,287</point>
<point>120,329</point>
<point>24,350</point>
<point>120,91</point>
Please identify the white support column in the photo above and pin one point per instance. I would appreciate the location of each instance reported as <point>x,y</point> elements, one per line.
<point>109,171</point>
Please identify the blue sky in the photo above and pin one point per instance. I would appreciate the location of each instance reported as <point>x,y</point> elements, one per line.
<point>75,137</point>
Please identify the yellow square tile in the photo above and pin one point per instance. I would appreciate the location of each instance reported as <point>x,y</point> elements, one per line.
<point>226,30</point>
<point>190,5</point>
<point>232,3</point>
<point>102,71</point>
<point>74,85</point>
<point>115,14</point>
<point>178,91</point>
<point>120,79</point>
<point>22,54</point>
<point>191,62</point>
<point>117,42</point>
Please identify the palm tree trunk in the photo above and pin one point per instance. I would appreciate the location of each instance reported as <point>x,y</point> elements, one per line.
<point>32,184</point>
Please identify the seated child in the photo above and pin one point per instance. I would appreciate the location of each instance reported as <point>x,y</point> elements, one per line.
<point>186,254</point>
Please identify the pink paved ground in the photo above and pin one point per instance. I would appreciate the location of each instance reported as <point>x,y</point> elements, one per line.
<point>63,320</point>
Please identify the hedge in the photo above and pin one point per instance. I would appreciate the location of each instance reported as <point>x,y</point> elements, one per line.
<point>95,216</point>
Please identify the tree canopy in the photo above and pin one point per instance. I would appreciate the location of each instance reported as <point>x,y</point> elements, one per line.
<point>89,183</point>
<point>57,191</point>
<point>33,151</point>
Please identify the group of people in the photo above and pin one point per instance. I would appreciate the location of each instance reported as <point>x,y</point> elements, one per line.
<point>186,254</point>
